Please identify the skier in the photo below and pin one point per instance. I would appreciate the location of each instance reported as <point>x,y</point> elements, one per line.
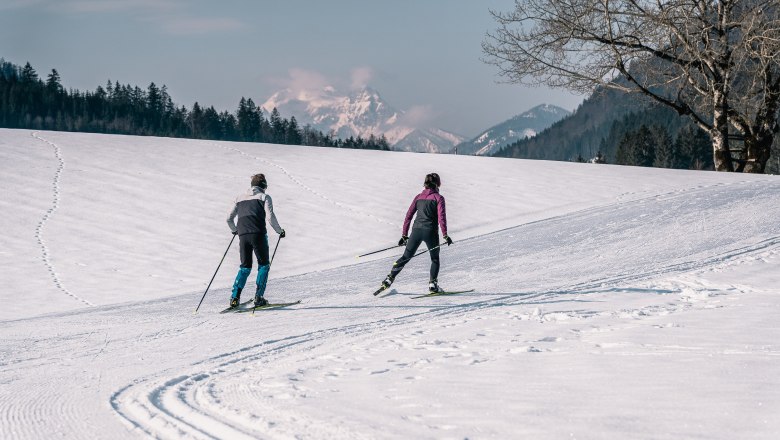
<point>430,211</point>
<point>253,209</point>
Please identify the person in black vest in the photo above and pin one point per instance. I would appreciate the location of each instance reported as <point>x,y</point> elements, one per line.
<point>253,209</point>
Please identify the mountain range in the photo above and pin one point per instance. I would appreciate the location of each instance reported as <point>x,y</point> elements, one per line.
<point>362,112</point>
<point>522,126</point>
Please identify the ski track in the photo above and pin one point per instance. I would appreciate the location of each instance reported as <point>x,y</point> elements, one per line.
<point>207,402</point>
<point>45,253</point>
<point>308,188</point>
<point>228,395</point>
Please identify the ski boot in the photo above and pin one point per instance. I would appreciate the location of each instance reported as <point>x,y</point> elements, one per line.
<point>385,285</point>
<point>387,282</point>
<point>433,287</point>
<point>235,298</point>
<point>260,301</point>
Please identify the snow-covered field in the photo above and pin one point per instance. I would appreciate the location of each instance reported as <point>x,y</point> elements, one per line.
<point>610,302</point>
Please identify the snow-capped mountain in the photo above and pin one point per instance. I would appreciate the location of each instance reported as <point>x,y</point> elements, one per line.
<point>431,140</point>
<point>360,113</point>
<point>524,125</point>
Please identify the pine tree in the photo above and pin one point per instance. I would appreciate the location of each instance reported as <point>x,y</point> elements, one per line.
<point>624,150</point>
<point>643,151</point>
<point>277,127</point>
<point>694,148</point>
<point>293,132</point>
<point>28,74</point>
<point>666,152</point>
<point>53,84</point>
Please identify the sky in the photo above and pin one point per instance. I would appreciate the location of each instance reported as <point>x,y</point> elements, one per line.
<point>423,56</point>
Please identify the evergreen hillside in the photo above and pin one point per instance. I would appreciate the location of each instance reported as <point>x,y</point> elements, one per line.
<point>26,101</point>
<point>625,129</point>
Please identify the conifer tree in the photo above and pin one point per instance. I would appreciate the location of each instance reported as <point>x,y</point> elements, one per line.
<point>666,151</point>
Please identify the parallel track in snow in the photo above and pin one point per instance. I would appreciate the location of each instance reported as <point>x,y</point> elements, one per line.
<point>206,399</point>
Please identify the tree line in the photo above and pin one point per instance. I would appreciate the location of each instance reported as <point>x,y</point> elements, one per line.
<point>603,126</point>
<point>652,146</point>
<point>27,101</point>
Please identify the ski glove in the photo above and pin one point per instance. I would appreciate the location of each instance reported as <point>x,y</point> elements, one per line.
<point>403,240</point>
<point>234,232</point>
<point>448,240</point>
<point>282,234</point>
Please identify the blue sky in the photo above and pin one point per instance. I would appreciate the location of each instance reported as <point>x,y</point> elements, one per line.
<point>422,55</point>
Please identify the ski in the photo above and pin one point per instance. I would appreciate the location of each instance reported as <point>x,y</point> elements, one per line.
<point>236,308</point>
<point>268,306</point>
<point>443,293</point>
<point>380,290</point>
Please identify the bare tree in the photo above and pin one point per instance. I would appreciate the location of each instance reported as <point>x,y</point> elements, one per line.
<point>717,62</point>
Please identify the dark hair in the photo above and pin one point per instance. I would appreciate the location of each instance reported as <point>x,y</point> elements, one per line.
<point>432,181</point>
<point>259,180</point>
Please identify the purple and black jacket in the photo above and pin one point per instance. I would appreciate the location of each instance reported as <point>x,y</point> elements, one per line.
<point>429,206</point>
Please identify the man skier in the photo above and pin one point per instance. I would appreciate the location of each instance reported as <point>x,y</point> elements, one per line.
<point>430,210</point>
<point>253,209</point>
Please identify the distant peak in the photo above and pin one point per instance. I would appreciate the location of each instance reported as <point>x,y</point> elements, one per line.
<point>366,91</point>
<point>548,108</point>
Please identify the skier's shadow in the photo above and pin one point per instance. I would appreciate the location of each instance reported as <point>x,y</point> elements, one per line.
<point>392,292</point>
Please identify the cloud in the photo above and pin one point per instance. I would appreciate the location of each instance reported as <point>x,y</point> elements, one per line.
<point>361,77</point>
<point>99,6</point>
<point>198,25</point>
<point>18,4</point>
<point>418,116</point>
<point>302,83</point>
<point>171,17</point>
<point>303,80</point>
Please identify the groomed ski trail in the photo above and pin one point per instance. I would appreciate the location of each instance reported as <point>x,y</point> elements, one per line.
<point>213,398</point>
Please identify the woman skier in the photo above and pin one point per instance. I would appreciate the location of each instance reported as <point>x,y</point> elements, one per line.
<point>430,213</point>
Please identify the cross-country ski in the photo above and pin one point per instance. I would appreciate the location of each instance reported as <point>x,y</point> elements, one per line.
<point>267,306</point>
<point>237,307</point>
<point>443,293</point>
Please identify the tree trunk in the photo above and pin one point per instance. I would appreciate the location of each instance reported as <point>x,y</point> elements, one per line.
<point>721,153</point>
<point>758,150</point>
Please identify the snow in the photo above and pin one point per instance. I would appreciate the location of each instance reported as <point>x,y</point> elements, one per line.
<point>610,302</point>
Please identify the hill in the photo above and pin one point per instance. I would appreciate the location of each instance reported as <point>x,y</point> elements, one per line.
<point>609,302</point>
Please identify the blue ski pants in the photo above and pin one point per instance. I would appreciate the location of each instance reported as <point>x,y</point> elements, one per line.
<point>252,245</point>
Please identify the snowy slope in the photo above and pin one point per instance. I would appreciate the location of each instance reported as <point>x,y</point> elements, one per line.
<point>361,112</point>
<point>610,302</point>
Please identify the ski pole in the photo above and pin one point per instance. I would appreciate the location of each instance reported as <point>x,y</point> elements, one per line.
<point>426,250</point>
<point>215,273</point>
<point>269,264</point>
<point>274,254</point>
<point>422,252</point>
<point>376,252</point>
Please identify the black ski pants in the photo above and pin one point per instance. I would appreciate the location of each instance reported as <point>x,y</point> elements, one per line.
<point>419,235</point>
<point>249,244</point>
